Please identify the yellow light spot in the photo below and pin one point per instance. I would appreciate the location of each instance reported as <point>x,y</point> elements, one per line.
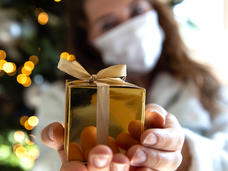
<point>23,119</point>
<point>22,78</point>
<point>43,18</point>
<point>9,67</point>
<point>33,121</point>
<point>28,82</point>
<point>64,55</point>
<point>2,62</point>
<point>57,0</point>
<point>20,151</point>
<point>27,126</point>
<point>34,153</point>
<point>29,66</point>
<point>2,54</point>
<point>29,142</point>
<point>25,71</point>
<point>16,146</point>
<point>19,136</point>
<point>34,59</point>
<point>71,58</point>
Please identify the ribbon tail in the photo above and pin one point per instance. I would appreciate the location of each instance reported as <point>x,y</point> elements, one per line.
<point>74,69</point>
<point>102,116</point>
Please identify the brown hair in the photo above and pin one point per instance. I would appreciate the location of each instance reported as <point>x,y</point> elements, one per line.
<point>174,57</point>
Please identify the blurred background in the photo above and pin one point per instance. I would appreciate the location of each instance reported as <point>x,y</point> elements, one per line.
<point>32,37</point>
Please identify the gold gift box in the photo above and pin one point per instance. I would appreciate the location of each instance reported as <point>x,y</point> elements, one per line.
<point>126,104</point>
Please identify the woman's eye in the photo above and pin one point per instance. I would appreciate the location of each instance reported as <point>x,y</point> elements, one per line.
<point>137,11</point>
<point>108,26</point>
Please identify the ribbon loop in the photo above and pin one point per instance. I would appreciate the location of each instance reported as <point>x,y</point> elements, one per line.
<point>112,74</point>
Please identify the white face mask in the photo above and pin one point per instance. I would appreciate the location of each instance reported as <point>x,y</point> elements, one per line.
<point>137,43</point>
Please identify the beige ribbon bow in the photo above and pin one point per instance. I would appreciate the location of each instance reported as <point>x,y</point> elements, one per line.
<point>110,75</point>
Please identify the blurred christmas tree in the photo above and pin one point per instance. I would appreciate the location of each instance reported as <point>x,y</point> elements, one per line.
<point>31,39</point>
<point>29,31</point>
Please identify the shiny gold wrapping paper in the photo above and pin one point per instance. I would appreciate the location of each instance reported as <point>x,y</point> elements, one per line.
<point>126,104</point>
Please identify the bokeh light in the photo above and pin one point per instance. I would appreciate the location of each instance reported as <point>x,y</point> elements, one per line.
<point>34,59</point>
<point>23,119</point>
<point>9,67</point>
<point>33,121</point>
<point>19,136</point>
<point>71,58</point>
<point>5,152</point>
<point>29,66</point>
<point>20,151</point>
<point>22,78</point>
<point>67,56</point>
<point>2,62</point>
<point>64,55</point>
<point>43,18</point>
<point>2,54</point>
<point>27,126</point>
<point>25,71</point>
<point>29,142</point>
<point>34,153</point>
<point>28,82</point>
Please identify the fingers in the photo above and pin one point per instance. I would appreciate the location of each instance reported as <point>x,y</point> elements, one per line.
<point>72,166</point>
<point>170,138</point>
<point>120,163</point>
<point>154,159</point>
<point>155,116</point>
<point>100,158</point>
<point>125,140</point>
<point>53,136</point>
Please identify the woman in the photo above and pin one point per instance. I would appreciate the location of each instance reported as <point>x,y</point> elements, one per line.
<point>144,35</point>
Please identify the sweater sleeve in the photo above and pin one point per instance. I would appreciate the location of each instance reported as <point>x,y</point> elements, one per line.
<point>207,154</point>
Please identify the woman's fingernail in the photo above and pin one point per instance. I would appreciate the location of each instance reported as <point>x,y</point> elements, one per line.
<point>100,161</point>
<point>119,166</point>
<point>151,139</point>
<point>139,157</point>
<point>50,133</point>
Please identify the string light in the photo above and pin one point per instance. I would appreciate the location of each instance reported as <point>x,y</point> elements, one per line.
<point>43,18</point>
<point>33,121</point>
<point>23,119</point>
<point>22,78</point>
<point>27,126</point>
<point>34,59</point>
<point>29,66</point>
<point>29,142</point>
<point>64,55</point>
<point>19,136</point>
<point>9,67</point>
<point>2,54</point>
<point>71,58</point>
<point>67,56</point>
<point>2,62</point>
<point>28,82</point>
<point>25,71</point>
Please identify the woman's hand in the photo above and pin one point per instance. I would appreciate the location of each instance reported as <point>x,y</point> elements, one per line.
<point>100,157</point>
<point>161,147</point>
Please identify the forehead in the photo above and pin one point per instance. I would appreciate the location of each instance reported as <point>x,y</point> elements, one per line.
<point>98,8</point>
